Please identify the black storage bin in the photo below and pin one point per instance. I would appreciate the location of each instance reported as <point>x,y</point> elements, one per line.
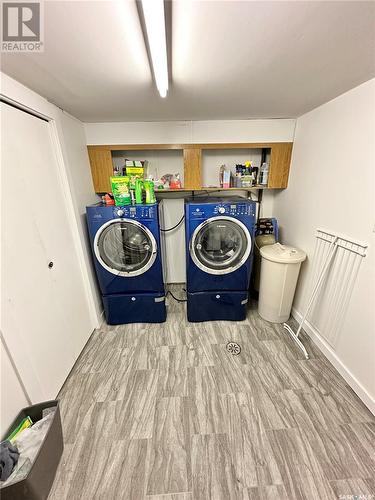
<point>37,484</point>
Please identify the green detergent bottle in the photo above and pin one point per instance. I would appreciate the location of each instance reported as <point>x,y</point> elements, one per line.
<point>150,192</point>
<point>138,191</point>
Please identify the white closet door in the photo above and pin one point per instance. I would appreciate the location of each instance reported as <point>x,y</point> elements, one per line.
<point>45,311</point>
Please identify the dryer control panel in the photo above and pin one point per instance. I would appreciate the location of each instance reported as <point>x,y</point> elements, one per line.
<point>135,211</point>
<point>233,209</point>
<point>225,208</point>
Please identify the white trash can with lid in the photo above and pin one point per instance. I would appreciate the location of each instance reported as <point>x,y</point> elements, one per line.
<point>278,279</point>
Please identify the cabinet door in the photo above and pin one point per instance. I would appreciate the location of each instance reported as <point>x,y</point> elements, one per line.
<point>101,168</point>
<point>45,310</point>
<point>281,153</point>
<point>192,168</point>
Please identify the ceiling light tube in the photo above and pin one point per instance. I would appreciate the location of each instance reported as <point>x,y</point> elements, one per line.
<point>153,13</point>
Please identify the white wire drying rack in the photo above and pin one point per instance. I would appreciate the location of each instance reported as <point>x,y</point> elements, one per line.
<point>343,273</point>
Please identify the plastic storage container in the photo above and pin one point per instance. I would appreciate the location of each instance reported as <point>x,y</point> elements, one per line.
<point>278,279</point>
<point>37,484</point>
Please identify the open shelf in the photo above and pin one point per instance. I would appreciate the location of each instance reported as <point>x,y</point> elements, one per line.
<point>183,190</point>
<point>257,186</point>
<point>160,162</point>
<point>212,159</point>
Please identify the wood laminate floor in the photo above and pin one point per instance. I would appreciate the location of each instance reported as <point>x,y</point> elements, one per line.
<point>164,412</point>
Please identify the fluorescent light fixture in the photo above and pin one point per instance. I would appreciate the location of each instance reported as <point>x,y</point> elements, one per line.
<point>153,13</point>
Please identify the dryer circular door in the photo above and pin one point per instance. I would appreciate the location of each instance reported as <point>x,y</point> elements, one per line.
<point>125,247</point>
<point>220,245</point>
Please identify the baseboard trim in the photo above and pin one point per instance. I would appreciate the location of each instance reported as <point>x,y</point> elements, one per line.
<point>327,350</point>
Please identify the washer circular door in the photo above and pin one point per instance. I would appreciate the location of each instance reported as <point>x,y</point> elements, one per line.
<point>220,245</point>
<point>125,247</point>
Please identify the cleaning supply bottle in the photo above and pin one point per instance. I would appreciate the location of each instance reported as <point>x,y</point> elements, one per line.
<point>237,180</point>
<point>226,178</point>
<point>263,174</point>
<point>150,193</point>
<point>254,174</point>
<point>221,175</point>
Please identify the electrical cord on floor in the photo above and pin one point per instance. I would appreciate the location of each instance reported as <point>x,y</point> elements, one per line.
<point>175,298</point>
<point>174,227</point>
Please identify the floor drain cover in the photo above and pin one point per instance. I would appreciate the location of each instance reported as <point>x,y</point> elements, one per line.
<point>234,348</point>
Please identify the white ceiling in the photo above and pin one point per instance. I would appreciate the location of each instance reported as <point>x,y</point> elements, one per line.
<point>230,59</point>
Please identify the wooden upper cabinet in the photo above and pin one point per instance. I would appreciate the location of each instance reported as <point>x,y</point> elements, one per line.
<point>192,168</point>
<point>281,153</point>
<point>101,168</point>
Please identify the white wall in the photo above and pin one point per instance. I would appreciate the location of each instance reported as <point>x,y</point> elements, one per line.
<point>12,396</point>
<point>80,181</point>
<point>192,132</point>
<point>277,130</point>
<point>331,185</point>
